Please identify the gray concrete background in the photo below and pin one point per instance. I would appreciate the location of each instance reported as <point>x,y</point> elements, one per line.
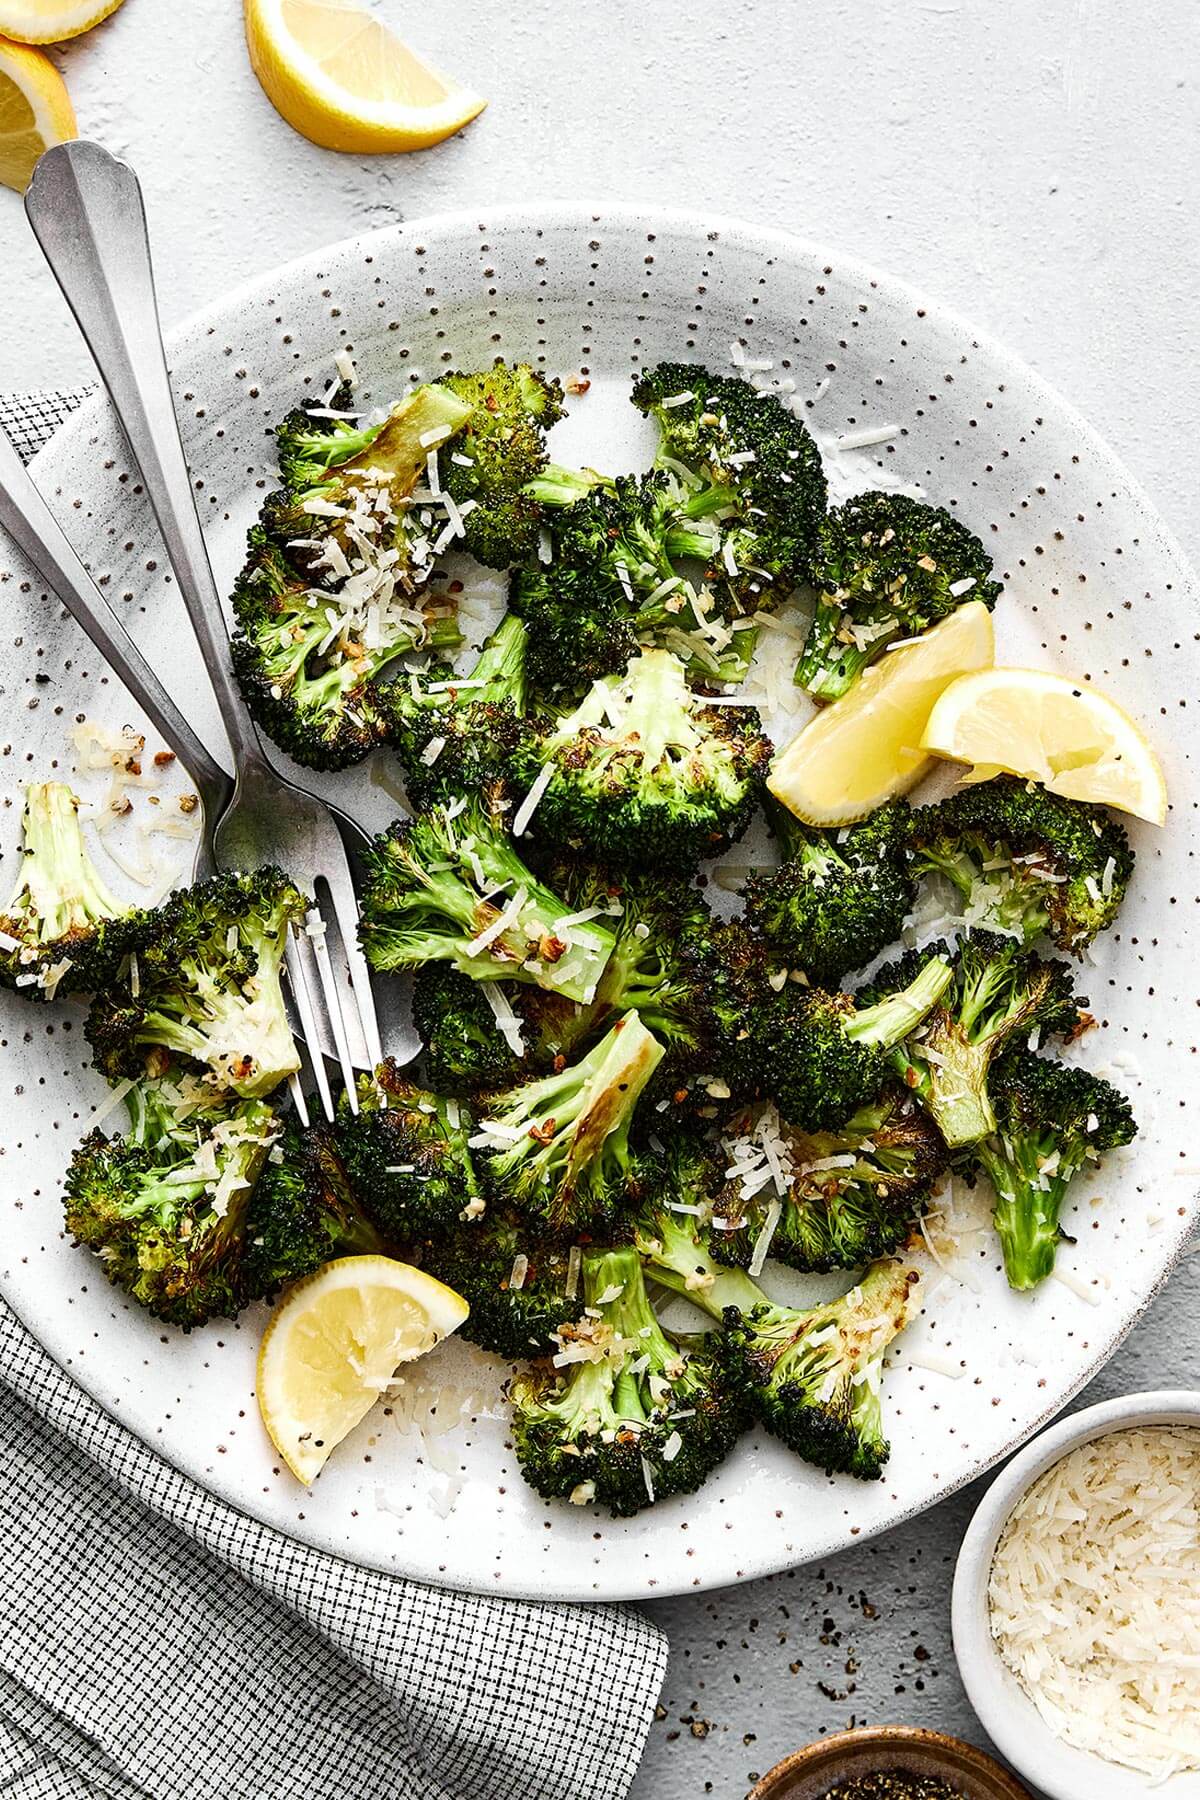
<point>1033,162</point>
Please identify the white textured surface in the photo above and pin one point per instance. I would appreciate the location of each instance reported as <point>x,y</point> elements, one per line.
<point>1033,164</point>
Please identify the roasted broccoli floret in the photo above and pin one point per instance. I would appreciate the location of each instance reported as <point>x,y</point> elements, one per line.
<point>62,932</point>
<point>812,1376</point>
<point>1026,861</point>
<point>486,470</point>
<point>454,735</point>
<point>722,985</point>
<point>999,994</point>
<point>749,468</point>
<point>449,886</point>
<point>839,897</point>
<point>638,1417</point>
<point>203,983</point>
<point>823,1057</point>
<point>562,1151</point>
<point>465,1049</point>
<point>644,773</point>
<point>521,1288</point>
<point>847,1196</point>
<point>1052,1119</point>
<point>302,1213</point>
<point>610,585</point>
<point>887,567</point>
<point>407,1156</point>
<point>334,587</point>
<point>165,1207</point>
<point>311,441</point>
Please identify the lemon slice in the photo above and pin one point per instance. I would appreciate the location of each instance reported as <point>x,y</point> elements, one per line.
<point>333,1345</point>
<point>343,80</point>
<point>1071,738</point>
<point>35,111</point>
<point>50,21</point>
<point>865,748</point>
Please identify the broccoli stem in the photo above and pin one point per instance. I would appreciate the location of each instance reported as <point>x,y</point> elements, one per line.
<point>499,671</point>
<point>894,1017</point>
<point>560,486</point>
<point>1028,1207</point>
<point>828,668</point>
<point>682,1262</point>
<point>58,890</point>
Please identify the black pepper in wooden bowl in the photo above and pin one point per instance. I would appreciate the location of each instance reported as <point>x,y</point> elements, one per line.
<point>894,1784</point>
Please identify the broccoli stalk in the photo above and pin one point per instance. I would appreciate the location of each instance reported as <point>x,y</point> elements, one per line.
<point>887,567</point>
<point>450,887</point>
<point>1052,1119</point>
<point>62,931</point>
<point>814,1377</point>
<point>1026,861</point>
<point>165,1207</point>
<point>455,735</point>
<point>407,1157</point>
<point>561,1143</point>
<point>302,1213</point>
<point>999,993</point>
<point>839,897</point>
<point>822,1057</point>
<point>644,773</point>
<point>204,984</point>
<point>633,1417</point>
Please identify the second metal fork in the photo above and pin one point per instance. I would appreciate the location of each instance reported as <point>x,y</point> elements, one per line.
<point>88,215</point>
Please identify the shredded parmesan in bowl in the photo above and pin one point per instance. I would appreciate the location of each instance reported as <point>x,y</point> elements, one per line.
<point>1094,1598</point>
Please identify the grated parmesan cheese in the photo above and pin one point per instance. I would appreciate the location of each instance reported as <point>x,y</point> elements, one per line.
<point>1094,1598</point>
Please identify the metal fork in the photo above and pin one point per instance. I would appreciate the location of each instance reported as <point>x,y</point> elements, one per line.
<point>87,212</point>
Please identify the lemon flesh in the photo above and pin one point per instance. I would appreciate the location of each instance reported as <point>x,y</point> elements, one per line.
<point>1066,735</point>
<point>344,81</point>
<point>335,1342</point>
<point>51,21</point>
<point>35,111</point>
<point>866,747</point>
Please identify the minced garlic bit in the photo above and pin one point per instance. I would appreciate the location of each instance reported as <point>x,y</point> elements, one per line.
<point>1094,1598</point>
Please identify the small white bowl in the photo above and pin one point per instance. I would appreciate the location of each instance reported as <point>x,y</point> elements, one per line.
<point>1009,1716</point>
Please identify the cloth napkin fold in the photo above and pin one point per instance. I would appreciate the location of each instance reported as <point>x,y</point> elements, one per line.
<point>157,1644</point>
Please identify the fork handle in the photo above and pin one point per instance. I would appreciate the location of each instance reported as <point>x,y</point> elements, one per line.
<point>88,215</point>
<point>33,528</point>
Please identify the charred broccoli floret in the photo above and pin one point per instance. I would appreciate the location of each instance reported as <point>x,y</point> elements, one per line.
<point>465,1049</point>
<point>521,1289</point>
<point>203,983</point>
<point>839,897</point>
<point>407,1156</point>
<point>165,1207</point>
<point>823,1057</point>
<point>1052,1119</point>
<point>502,448</point>
<point>846,1197</point>
<point>633,1416</point>
<point>450,887</point>
<point>886,567</point>
<point>333,591</point>
<point>62,932</point>
<point>562,1151</point>
<point>643,772</point>
<point>749,468</point>
<point>302,1213</point>
<point>999,994</point>
<point>454,735</point>
<point>610,586</point>
<point>1026,861</point>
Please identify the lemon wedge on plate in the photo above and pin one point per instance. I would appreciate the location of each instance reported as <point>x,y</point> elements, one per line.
<point>333,1345</point>
<point>344,81</point>
<point>50,21</point>
<point>35,111</point>
<point>1070,737</point>
<point>866,747</point>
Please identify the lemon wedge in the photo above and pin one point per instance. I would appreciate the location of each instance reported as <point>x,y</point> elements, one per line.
<point>50,21</point>
<point>865,748</point>
<point>344,81</point>
<point>35,111</point>
<point>333,1345</point>
<point>1070,737</point>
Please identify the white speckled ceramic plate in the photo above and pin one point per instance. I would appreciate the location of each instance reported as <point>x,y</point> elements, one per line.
<point>1095,586</point>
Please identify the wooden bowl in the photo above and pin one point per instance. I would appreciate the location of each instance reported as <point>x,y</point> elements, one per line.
<point>809,1774</point>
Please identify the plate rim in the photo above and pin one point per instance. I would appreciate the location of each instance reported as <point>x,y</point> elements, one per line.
<point>202,321</point>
